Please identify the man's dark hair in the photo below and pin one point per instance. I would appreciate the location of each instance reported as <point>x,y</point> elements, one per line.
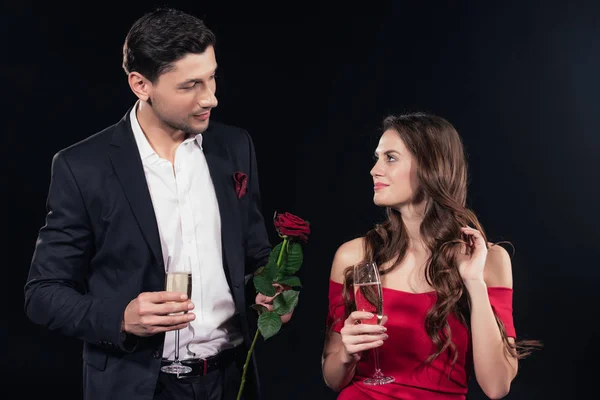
<point>162,37</point>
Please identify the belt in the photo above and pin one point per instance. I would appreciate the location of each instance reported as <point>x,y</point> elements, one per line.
<point>203,366</point>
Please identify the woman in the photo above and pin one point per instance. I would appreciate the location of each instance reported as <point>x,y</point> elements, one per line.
<point>447,291</point>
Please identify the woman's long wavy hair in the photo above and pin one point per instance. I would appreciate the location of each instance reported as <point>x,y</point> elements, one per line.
<point>442,173</point>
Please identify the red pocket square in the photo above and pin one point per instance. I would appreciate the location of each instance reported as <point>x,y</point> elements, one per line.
<point>241,184</point>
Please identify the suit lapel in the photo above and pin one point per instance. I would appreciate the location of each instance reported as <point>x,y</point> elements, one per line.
<point>126,161</point>
<point>221,173</point>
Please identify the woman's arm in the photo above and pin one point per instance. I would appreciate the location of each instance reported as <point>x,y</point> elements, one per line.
<point>495,367</point>
<point>343,350</point>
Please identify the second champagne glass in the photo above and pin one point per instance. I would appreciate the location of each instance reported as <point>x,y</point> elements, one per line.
<point>179,279</point>
<point>368,296</point>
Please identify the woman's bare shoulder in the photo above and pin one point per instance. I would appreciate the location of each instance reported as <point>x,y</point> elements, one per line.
<point>348,254</point>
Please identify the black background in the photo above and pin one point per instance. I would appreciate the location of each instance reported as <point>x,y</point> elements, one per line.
<point>311,83</point>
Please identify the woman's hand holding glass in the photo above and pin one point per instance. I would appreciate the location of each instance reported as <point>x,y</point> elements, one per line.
<point>358,336</point>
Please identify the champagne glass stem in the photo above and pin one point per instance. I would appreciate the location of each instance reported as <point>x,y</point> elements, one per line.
<point>177,345</point>
<point>377,367</point>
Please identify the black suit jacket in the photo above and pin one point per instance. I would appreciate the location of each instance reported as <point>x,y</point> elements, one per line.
<point>100,248</point>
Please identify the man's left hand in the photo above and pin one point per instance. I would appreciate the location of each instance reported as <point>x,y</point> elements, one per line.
<point>267,301</point>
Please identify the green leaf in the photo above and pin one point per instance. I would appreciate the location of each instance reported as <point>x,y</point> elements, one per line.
<point>269,323</point>
<point>294,259</point>
<point>259,271</point>
<point>292,281</point>
<point>270,271</point>
<point>259,307</point>
<point>275,254</point>
<point>285,302</point>
<point>264,285</point>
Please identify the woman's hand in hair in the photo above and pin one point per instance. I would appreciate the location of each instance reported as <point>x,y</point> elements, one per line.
<point>472,257</point>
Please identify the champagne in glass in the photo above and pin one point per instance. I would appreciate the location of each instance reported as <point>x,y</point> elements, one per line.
<point>361,291</point>
<point>179,282</point>
<point>368,296</point>
<point>178,279</point>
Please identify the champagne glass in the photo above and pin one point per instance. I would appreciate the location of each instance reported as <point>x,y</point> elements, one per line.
<point>179,279</point>
<point>368,296</point>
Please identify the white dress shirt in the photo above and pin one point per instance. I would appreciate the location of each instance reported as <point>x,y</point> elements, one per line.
<point>189,224</point>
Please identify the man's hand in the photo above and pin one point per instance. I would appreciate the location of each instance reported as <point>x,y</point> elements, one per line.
<point>154,312</point>
<point>267,301</point>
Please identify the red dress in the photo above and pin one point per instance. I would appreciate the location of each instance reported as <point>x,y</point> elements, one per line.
<point>408,346</point>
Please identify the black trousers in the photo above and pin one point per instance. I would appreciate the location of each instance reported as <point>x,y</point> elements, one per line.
<point>221,384</point>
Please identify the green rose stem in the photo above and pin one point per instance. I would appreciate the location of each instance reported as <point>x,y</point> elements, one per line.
<point>239,395</point>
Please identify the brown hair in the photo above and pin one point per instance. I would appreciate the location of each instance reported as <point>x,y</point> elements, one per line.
<point>442,172</point>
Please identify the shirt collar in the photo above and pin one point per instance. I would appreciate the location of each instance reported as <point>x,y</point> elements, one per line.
<point>144,147</point>
<point>197,138</point>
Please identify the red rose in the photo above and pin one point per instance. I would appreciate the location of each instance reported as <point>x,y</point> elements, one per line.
<point>291,226</point>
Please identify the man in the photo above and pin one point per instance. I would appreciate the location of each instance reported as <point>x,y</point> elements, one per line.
<point>164,183</point>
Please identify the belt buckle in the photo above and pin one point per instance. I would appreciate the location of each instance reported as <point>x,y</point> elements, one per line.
<point>204,371</point>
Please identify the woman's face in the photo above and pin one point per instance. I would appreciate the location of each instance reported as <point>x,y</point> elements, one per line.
<point>395,180</point>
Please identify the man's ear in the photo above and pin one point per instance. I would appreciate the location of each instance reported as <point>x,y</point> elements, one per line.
<point>139,85</point>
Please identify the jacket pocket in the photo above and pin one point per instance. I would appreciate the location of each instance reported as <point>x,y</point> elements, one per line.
<point>95,357</point>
